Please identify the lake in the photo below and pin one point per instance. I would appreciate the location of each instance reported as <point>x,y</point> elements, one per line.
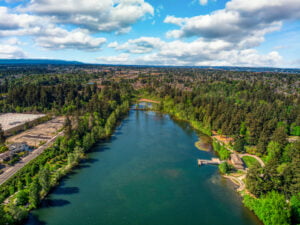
<point>146,174</point>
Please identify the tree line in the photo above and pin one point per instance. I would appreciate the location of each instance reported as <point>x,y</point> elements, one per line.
<point>260,112</point>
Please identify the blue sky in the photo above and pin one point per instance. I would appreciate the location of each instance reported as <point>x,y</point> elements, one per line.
<point>153,32</point>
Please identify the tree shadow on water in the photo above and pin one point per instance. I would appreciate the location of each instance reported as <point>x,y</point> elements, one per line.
<point>118,132</point>
<point>88,161</point>
<point>79,167</point>
<point>49,203</point>
<point>98,148</point>
<point>66,190</point>
<point>34,220</point>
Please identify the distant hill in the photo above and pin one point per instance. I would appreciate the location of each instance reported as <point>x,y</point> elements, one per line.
<point>226,68</point>
<point>39,61</point>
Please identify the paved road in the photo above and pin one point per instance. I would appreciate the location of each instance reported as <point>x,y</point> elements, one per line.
<point>8,172</point>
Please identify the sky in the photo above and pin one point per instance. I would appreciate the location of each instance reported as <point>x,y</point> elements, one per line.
<point>256,33</point>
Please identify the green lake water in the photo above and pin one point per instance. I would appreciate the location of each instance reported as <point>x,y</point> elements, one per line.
<point>146,174</point>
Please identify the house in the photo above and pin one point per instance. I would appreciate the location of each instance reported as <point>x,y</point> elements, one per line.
<point>18,147</point>
<point>237,161</point>
<point>14,149</point>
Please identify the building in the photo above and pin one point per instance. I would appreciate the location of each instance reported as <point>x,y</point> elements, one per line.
<point>18,147</point>
<point>237,161</point>
<point>13,149</point>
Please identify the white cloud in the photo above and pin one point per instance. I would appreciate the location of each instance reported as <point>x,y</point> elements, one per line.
<point>113,44</point>
<point>120,59</point>
<point>223,37</point>
<point>10,23</point>
<point>95,15</point>
<point>199,52</point>
<point>76,39</point>
<point>239,20</point>
<point>138,46</point>
<point>45,33</point>
<point>228,36</point>
<point>9,49</point>
<point>203,2</point>
<point>13,41</point>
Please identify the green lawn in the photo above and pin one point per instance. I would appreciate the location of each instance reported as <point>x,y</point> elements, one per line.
<point>249,161</point>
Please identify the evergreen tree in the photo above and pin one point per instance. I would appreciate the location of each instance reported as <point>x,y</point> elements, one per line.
<point>2,137</point>
<point>239,144</point>
<point>34,193</point>
<point>44,179</point>
<point>68,127</point>
<point>280,136</point>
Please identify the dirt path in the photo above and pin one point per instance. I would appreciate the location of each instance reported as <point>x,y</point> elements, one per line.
<point>148,100</point>
<point>238,181</point>
<point>255,157</point>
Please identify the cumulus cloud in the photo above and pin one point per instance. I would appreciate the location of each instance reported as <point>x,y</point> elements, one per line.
<point>138,46</point>
<point>45,33</point>
<point>203,2</point>
<point>238,21</point>
<point>119,59</point>
<point>236,58</point>
<point>200,52</point>
<point>223,37</point>
<point>9,49</point>
<point>95,15</point>
<point>13,24</point>
<point>76,39</point>
<point>113,44</point>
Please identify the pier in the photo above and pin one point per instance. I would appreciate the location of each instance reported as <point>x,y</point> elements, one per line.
<point>213,161</point>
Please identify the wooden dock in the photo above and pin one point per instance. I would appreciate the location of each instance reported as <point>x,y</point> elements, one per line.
<point>213,161</point>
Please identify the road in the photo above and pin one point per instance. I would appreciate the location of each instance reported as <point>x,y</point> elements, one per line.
<point>9,171</point>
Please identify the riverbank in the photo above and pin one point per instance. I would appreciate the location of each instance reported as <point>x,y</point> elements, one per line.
<point>138,177</point>
<point>35,180</point>
<point>223,151</point>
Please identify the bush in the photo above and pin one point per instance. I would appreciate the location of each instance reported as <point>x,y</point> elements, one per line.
<point>22,198</point>
<point>224,167</point>
<point>239,144</point>
<point>3,148</point>
<point>271,209</point>
<point>221,150</point>
<point>295,206</point>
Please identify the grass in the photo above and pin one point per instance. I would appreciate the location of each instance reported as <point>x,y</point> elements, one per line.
<point>249,161</point>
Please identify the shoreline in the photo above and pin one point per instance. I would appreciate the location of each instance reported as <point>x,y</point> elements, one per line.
<point>54,181</point>
<point>241,186</point>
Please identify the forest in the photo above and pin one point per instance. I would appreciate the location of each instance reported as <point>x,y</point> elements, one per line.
<point>91,115</point>
<point>259,110</point>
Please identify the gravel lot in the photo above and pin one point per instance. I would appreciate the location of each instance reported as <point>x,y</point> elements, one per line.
<point>10,120</point>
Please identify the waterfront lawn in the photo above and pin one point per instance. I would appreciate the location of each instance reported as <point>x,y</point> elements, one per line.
<point>249,161</point>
